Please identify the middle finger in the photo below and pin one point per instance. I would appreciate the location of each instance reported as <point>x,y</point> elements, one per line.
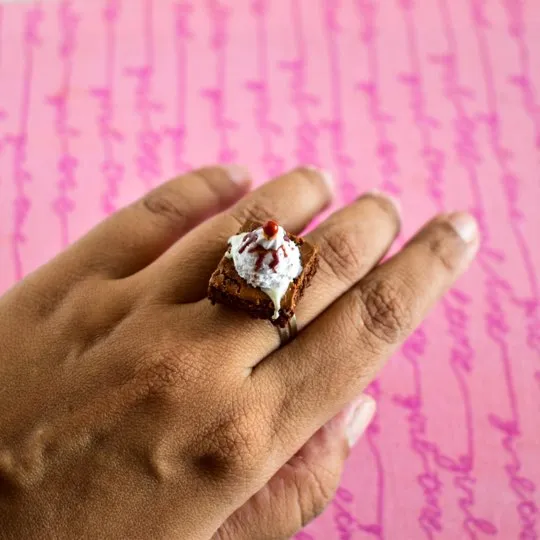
<point>293,199</point>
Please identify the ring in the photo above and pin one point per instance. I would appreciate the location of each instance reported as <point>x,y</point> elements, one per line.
<point>264,271</point>
<point>289,332</point>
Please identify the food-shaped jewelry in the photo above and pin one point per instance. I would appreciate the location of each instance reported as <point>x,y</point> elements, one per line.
<point>264,272</point>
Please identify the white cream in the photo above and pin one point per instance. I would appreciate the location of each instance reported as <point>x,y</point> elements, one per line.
<point>273,279</point>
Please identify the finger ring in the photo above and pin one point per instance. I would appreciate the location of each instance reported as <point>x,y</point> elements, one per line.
<point>289,332</point>
<point>264,272</point>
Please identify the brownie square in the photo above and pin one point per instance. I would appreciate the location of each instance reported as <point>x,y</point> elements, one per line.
<point>227,287</point>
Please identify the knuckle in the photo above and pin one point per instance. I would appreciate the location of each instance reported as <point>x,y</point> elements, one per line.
<point>36,301</point>
<point>255,210</point>
<point>383,309</point>
<point>385,205</point>
<point>438,246</point>
<point>229,448</point>
<point>316,491</point>
<point>165,207</point>
<point>214,180</point>
<point>15,474</point>
<point>339,255</point>
<point>95,311</point>
<point>315,178</point>
<point>230,530</point>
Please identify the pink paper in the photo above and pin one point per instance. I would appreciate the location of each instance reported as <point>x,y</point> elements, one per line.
<point>436,101</point>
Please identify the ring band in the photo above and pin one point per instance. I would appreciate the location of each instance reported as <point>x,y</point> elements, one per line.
<point>289,332</point>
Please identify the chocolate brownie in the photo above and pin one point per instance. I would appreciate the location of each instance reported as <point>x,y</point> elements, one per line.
<point>227,287</point>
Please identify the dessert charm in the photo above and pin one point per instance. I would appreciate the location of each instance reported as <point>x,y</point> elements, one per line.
<point>264,272</point>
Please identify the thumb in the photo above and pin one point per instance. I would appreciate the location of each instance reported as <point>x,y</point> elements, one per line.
<point>303,487</point>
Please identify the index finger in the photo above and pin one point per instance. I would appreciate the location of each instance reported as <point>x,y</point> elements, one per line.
<point>336,356</point>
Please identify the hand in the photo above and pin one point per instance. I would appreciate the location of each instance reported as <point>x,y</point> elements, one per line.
<point>130,407</point>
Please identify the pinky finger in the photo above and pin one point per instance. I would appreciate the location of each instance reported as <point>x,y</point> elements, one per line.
<point>305,485</point>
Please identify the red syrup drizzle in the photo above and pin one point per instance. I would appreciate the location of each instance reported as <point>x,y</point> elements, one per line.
<point>262,253</point>
<point>270,229</point>
<point>275,259</point>
<point>249,239</point>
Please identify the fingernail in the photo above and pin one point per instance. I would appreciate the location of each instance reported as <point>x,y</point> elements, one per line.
<point>239,175</point>
<point>465,225</point>
<point>327,177</point>
<point>393,200</point>
<point>358,417</point>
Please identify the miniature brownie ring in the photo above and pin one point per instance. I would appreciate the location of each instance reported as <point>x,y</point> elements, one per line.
<point>264,272</point>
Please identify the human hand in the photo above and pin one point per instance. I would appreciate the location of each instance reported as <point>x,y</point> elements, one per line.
<point>130,407</point>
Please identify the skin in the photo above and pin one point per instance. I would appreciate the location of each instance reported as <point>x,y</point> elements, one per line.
<point>130,407</point>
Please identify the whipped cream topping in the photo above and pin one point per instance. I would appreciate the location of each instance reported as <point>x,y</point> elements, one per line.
<point>267,259</point>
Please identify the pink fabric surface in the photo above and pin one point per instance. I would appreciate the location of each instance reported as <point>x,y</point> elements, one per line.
<point>436,101</point>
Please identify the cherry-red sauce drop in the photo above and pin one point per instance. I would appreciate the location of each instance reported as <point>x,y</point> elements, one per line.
<point>270,228</point>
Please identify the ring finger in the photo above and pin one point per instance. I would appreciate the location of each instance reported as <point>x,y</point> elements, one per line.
<point>351,242</point>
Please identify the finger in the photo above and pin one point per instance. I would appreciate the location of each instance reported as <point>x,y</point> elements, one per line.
<point>305,485</point>
<point>336,356</point>
<point>351,242</point>
<point>293,199</point>
<point>133,237</point>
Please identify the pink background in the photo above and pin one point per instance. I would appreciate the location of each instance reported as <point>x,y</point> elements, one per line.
<point>435,100</point>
